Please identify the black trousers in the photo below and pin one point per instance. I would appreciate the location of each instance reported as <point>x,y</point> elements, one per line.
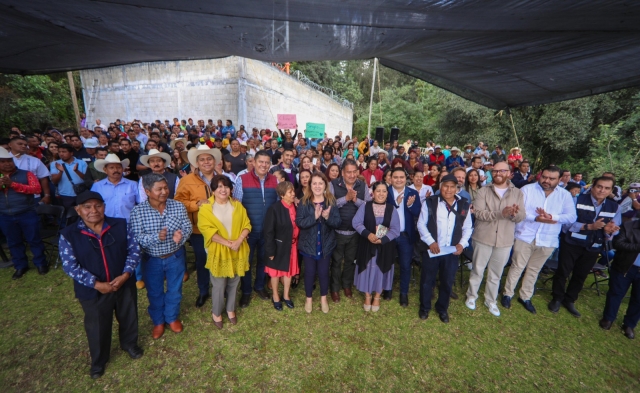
<point>98,322</point>
<point>574,261</point>
<point>444,268</point>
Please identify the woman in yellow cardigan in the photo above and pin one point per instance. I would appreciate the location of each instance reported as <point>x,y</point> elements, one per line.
<point>225,226</point>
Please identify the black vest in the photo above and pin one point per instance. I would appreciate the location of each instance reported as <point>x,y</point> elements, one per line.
<point>349,210</point>
<point>461,212</point>
<point>586,211</point>
<point>386,253</point>
<point>104,258</point>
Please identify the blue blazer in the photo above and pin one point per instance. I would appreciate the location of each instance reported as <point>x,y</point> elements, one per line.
<point>411,214</point>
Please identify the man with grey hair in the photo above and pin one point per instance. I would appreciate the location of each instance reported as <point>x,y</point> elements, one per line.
<point>161,227</point>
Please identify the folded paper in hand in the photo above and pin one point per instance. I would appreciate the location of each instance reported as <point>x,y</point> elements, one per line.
<point>443,251</point>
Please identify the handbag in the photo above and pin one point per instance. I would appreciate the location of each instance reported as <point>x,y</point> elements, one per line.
<point>77,188</point>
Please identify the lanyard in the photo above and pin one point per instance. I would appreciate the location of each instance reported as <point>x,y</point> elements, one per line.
<point>450,207</point>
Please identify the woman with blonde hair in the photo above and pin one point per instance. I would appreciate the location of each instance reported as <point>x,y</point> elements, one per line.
<point>317,217</point>
<point>224,224</point>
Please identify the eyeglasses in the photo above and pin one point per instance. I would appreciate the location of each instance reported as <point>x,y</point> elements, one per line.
<point>500,171</point>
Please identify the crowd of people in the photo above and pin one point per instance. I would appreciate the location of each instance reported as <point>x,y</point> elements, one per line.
<point>264,208</point>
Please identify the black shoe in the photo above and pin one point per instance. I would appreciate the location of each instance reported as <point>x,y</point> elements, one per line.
<point>288,303</point>
<point>571,307</point>
<point>404,300</point>
<point>444,317</point>
<point>506,301</point>
<point>96,373</point>
<point>528,305</point>
<point>277,305</point>
<point>387,295</point>
<point>454,295</point>
<point>606,325</point>
<point>554,306</point>
<point>263,294</point>
<point>628,332</point>
<point>423,314</point>
<point>19,273</point>
<point>135,352</point>
<point>245,300</point>
<point>42,270</point>
<point>201,299</point>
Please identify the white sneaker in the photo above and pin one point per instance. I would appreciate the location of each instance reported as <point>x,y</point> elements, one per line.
<point>471,303</point>
<point>493,308</point>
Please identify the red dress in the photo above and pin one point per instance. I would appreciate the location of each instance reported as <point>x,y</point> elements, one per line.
<point>293,261</point>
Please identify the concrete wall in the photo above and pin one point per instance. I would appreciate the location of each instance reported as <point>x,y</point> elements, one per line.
<point>246,91</point>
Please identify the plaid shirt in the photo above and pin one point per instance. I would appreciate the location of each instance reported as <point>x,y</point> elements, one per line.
<point>147,222</point>
<point>73,269</point>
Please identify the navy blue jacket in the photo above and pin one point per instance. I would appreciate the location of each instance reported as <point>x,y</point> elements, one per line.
<point>411,214</point>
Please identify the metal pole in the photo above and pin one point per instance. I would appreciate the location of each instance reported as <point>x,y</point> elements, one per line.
<point>373,85</point>
<point>74,99</point>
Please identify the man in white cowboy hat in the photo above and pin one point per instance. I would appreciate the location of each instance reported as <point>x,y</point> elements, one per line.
<point>193,191</point>
<point>120,195</point>
<point>179,144</point>
<point>157,162</point>
<point>454,160</point>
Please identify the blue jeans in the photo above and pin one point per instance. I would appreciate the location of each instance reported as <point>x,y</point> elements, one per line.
<point>18,229</point>
<point>405,253</point>
<point>446,266</point>
<point>256,244</point>
<point>618,286</point>
<point>197,242</point>
<point>164,306</point>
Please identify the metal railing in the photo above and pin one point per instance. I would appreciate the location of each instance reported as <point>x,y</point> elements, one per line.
<point>325,90</point>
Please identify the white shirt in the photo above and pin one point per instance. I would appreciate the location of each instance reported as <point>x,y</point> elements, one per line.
<point>31,164</point>
<point>446,222</point>
<point>423,191</point>
<point>400,208</point>
<point>559,204</point>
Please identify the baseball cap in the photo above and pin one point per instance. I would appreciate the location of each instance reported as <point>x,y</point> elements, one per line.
<point>447,178</point>
<point>634,185</point>
<point>87,195</point>
<point>438,147</point>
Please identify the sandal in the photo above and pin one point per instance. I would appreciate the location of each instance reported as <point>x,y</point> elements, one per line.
<point>367,307</point>
<point>376,308</point>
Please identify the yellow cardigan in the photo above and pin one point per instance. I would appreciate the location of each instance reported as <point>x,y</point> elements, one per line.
<point>222,261</point>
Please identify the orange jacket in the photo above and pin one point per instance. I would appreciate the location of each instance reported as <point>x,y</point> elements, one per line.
<point>192,189</point>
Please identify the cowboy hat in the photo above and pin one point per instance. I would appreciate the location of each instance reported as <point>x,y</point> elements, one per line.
<point>455,149</point>
<point>111,159</point>
<point>173,142</point>
<point>144,160</point>
<point>4,153</point>
<point>193,154</point>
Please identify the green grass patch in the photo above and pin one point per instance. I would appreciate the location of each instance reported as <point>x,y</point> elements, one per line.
<point>43,347</point>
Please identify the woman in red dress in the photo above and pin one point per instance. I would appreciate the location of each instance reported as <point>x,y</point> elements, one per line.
<point>281,243</point>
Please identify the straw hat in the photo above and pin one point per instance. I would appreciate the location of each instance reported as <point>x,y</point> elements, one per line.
<point>455,149</point>
<point>144,160</point>
<point>110,159</point>
<point>173,142</point>
<point>193,154</point>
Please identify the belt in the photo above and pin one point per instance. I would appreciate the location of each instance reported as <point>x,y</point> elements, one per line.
<point>168,255</point>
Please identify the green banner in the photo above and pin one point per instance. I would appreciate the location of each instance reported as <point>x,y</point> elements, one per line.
<point>314,130</point>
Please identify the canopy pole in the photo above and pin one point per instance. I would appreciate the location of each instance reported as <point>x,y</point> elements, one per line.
<point>514,129</point>
<point>373,85</point>
<point>74,99</point>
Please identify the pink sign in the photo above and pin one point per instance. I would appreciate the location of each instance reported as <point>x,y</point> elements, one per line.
<point>287,122</point>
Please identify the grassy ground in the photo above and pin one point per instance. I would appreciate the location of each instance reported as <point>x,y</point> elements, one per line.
<point>43,347</point>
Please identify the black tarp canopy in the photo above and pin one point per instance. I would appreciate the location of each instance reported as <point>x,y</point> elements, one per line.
<point>498,53</point>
